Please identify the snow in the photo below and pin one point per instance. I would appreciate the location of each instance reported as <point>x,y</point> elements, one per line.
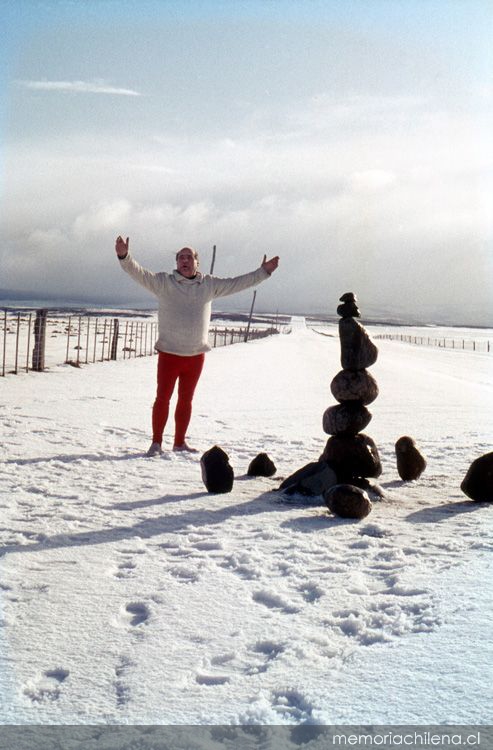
<point>130,595</point>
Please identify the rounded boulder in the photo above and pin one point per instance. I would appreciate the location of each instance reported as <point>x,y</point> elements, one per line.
<point>410,462</point>
<point>348,501</point>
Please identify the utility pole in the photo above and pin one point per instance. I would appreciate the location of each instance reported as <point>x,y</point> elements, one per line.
<point>250,317</point>
<point>213,258</point>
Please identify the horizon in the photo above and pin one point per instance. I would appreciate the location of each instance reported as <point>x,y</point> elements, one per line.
<point>351,139</point>
<point>61,303</point>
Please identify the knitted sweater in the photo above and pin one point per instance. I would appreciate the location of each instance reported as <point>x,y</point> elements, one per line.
<point>185,305</point>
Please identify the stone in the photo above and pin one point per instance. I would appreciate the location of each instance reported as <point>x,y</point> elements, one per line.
<point>352,456</point>
<point>357,349</point>
<point>348,501</point>
<point>311,479</point>
<point>478,482</point>
<point>346,419</point>
<point>261,466</point>
<point>348,310</point>
<point>348,297</point>
<point>354,385</point>
<point>217,473</point>
<point>410,462</point>
<point>375,492</point>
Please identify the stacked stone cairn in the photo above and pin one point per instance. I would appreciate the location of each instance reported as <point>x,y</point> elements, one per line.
<point>352,455</point>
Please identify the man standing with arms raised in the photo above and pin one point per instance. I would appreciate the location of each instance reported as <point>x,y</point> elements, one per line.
<point>185,303</point>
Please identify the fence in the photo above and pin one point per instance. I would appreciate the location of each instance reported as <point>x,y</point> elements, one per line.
<point>34,341</point>
<point>476,345</point>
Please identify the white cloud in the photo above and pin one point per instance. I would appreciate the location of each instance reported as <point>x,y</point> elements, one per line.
<point>78,87</point>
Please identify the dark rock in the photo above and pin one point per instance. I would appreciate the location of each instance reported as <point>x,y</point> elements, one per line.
<point>348,501</point>
<point>352,456</point>
<point>261,466</point>
<point>478,482</point>
<point>357,349</point>
<point>311,479</point>
<point>410,462</point>
<point>346,419</point>
<point>217,474</point>
<point>370,486</point>
<point>348,310</point>
<point>350,385</point>
<point>348,297</point>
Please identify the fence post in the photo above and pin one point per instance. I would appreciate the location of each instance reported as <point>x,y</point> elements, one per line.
<point>17,343</point>
<point>39,341</point>
<point>104,337</point>
<point>114,342</point>
<point>28,341</point>
<point>78,340</point>
<point>95,340</point>
<point>4,341</point>
<point>87,339</point>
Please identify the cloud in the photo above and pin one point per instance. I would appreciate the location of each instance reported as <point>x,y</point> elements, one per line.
<point>78,87</point>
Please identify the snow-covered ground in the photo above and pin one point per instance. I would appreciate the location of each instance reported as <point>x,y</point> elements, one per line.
<point>130,595</point>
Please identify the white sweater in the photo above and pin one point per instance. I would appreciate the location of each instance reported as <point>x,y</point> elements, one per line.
<point>185,305</point>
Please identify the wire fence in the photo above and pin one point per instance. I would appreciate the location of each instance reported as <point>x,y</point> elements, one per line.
<point>36,341</point>
<point>475,345</point>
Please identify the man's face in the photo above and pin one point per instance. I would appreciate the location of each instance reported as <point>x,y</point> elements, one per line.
<point>186,263</point>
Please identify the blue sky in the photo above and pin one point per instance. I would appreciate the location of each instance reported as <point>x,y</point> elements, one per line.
<point>351,138</point>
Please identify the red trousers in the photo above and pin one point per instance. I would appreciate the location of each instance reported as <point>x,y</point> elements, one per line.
<point>170,368</point>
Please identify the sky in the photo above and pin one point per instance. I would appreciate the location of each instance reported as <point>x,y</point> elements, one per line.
<point>352,139</point>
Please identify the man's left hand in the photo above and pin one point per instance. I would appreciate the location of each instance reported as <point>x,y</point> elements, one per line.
<point>270,265</point>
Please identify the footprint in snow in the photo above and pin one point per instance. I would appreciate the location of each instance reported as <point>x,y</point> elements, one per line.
<point>264,653</point>
<point>211,680</point>
<point>291,704</point>
<point>47,687</point>
<point>139,613</point>
<point>274,601</point>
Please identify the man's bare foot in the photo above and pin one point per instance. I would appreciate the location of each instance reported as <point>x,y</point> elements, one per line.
<point>184,448</point>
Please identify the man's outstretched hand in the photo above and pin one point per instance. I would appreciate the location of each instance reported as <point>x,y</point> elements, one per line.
<point>270,265</point>
<point>121,247</point>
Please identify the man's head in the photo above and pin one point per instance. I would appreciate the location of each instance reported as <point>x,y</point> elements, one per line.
<point>187,262</point>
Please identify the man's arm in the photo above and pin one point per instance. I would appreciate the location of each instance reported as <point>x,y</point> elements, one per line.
<point>149,280</point>
<point>225,287</point>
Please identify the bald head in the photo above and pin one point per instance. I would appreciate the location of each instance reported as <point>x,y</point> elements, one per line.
<point>187,262</point>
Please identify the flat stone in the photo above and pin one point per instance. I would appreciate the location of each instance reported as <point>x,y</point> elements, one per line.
<point>311,479</point>
<point>346,419</point>
<point>478,482</point>
<point>354,385</point>
<point>357,349</point>
<point>217,473</point>
<point>261,466</point>
<point>410,462</point>
<point>348,501</point>
<point>352,456</point>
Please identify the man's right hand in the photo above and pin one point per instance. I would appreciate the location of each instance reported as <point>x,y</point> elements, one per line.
<point>121,247</point>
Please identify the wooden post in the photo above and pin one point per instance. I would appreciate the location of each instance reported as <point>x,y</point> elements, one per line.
<point>68,336</point>
<point>79,331</point>
<point>213,258</point>
<point>114,341</point>
<point>17,343</point>
<point>39,341</point>
<point>95,340</point>
<point>28,341</point>
<point>4,341</point>
<point>250,316</point>
<point>87,339</point>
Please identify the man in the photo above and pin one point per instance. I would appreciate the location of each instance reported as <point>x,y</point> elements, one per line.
<point>185,303</point>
